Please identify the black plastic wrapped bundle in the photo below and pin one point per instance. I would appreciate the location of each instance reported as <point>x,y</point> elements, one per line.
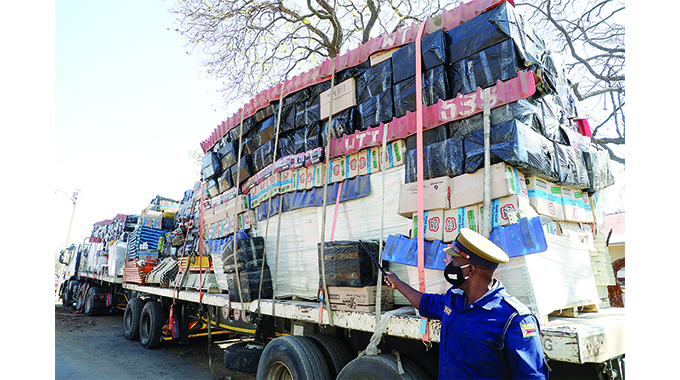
<point>445,158</point>
<point>498,62</point>
<point>286,145</point>
<point>374,81</point>
<point>434,48</point>
<point>266,130</point>
<point>599,170</point>
<point>352,72</point>
<point>552,116</point>
<point>430,136</point>
<point>315,136</point>
<point>263,156</point>
<point>264,113</point>
<point>246,250</point>
<point>404,66</point>
<point>246,170</point>
<point>288,114</point>
<point>299,138</point>
<point>435,86</point>
<point>347,263</point>
<point>250,143</point>
<point>225,180</point>
<point>227,154</point>
<point>247,126</point>
<point>515,144</point>
<point>376,110</point>
<point>486,29</point>
<point>306,115</point>
<point>211,165</point>
<point>571,167</point>
<point>250,285</point>
<point>346,122</point>
<point>523,110</point>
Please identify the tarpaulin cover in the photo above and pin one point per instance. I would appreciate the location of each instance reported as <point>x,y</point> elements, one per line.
<point>571,167</point>
<point>250,285</point>
<point>354,188</point>
<point>347,263</point>
<point>517,145</point>
<point>376,110</point>
<point>483,69</point>
<point>484,30</point>
<point>430,136</point>
<point>211,165</point>
<point>346,122</point>
<point>445,158</point>
<point>400,249</point>
<point>599,170</point>
<point>374,81</point>
<point>263,156</point>
<point>434,48</point>
<point>435,86</point>
<point>248,249</point>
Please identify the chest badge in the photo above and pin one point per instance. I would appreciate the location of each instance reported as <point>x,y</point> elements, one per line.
<point>447,310</point>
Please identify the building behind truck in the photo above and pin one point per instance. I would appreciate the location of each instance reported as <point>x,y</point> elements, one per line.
<point>315,179</point>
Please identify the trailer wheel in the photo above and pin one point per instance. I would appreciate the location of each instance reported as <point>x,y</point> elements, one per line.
<point>292,357</point>
<point>133,313</point>
<point>243,357</point>
<point>80,296</point>
<point>89,308</point>
<point>151,324</point>
<point>66,296</point>
<point>383,366</point>
<point>336,353</point>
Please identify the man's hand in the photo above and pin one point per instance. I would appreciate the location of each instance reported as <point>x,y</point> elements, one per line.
<point>412,295</point>
<point>391,279</point>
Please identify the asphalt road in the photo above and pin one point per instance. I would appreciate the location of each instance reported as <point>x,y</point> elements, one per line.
<point>94,348</point>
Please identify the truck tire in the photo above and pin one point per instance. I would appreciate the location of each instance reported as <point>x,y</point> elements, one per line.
<point>133,313</point>
<point>88,308</point>
<point>151,324</point>
<point>293,357</point>
<point>66,297</point>
<point>243,357</point>
<point>383,366</point>
<point>336,353</point>
<point>80,296</point>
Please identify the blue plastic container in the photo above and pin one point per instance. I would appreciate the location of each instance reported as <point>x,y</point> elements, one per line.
<point>401,249</point>
<point>521,238</point>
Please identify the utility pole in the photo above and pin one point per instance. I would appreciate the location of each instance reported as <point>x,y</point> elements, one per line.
<point>73,199</point>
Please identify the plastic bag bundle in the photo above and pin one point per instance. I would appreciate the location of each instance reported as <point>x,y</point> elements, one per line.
<point>266,130</point>
<point>435,86</point>
<point>598,166</point>
<point>376,110</point>
<point>225,180</point>
<point>263,156</point>
<point>286,145</point>
<point>315,136</point>
<point>288,114</point>
<point>374,81</point>
<point>522,110</point>
<point>445,158</point>
<point>571,167</point>
<point>227,154</point>
<point>346,122</point>
<point>266,112</point>
<point>247,250</point>
<point>211,165</point>
<point>515,144</point>
<point>352,72</point>
<point>430,136</point>
<point>244,170</point>
<point>483,69</point>
<point>250,143</point>
<point>247,126</point>
<point>306,115</point>
<point>250,285</point>
<point>434,48</point>
<point>347,263</point>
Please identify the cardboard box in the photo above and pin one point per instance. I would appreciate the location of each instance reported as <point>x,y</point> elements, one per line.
<point>589,218</point>
<point>299,178</point>
<point>462,217</point>
<point>382,56</point>
<point>343,98</point>
<point>276,184</point>
<point>369,160</point>
<point>394,154</point>
<point>545,197</point>
<point>337,172</point>
<point>507,210</point>
<point>309,181</point>
<point>436,195</point>
<point>468,189</point>
<point>286,182</point>
<point>359,299</point>
<point>318,174</point>
<point>352,166</point>
<point>598,206</point>
<point>433,224</point>
<point>220,212</point>
<point>246,220</point>
<point>572,203</point>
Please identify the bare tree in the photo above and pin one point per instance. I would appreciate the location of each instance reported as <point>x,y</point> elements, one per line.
<point>589,34</point>
<point>254,44</point>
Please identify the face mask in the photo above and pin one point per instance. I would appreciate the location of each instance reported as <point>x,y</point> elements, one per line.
<point>454,274</point>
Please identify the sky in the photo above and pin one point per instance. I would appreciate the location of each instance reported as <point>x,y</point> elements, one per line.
<point>130,106</point>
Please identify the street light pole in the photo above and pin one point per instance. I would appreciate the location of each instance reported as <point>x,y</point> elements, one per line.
<point>73,199</point>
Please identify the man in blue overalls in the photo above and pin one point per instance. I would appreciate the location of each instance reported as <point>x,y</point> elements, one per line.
<point>485,332</point>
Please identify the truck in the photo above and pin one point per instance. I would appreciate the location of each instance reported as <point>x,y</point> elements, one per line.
<point>323,178</point>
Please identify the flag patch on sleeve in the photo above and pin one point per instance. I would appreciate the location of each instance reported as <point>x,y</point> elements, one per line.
<point>528,329</point>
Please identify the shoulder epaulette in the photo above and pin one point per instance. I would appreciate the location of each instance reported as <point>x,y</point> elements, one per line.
<point>516,304</point>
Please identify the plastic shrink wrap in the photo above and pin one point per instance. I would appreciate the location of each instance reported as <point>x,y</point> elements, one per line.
<point>376,110</point>
<point>515,144</point>
<point>247,250</point>
<point>374,81</point>
<point>346,122</point>
<point>598,167</point>
<point>571,167</point>
<point>445,158</point>
<point>250,285</point>
<point>435,86</point>
<point>430,136</point>
<point>434,48</point>
<point>211,165</point>
<point>347,263</point>
<point>560,277</point>
<point>263,156</point>
<point>483,69</point>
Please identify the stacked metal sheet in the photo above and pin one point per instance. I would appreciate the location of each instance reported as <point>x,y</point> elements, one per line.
<point>143,238</point>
